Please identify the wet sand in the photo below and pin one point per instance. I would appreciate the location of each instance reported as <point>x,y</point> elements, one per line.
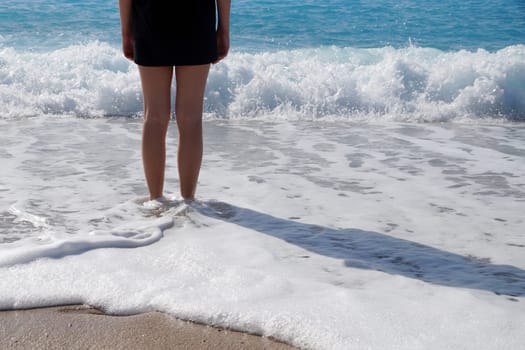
<point>83,327</point>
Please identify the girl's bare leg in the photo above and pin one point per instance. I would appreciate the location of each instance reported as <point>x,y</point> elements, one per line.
<point>156,88</point>
<point>191,83</point>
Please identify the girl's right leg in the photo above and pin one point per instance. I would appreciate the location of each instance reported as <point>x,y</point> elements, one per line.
<point>156,89</point>
<point>191,83</point>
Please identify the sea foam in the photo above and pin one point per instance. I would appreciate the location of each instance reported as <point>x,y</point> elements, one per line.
<point>113,229</point>
<point>377,236</point>
<point>409,84</point>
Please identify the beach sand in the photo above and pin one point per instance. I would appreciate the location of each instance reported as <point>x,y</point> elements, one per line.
<point>83,327</point>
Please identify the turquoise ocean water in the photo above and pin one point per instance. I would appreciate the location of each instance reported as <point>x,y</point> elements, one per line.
<point>270,24</point>
<point>463,58</point>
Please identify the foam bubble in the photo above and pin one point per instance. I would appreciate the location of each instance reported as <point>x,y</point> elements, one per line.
<point>114,229</point>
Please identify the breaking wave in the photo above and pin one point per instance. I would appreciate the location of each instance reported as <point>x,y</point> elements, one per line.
<point>410,84</point>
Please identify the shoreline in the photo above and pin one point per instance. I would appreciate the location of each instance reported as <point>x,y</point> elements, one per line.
<point>82,327</point>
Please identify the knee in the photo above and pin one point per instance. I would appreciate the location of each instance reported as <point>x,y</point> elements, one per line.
<point>156,119</point>
<point>189,121</point>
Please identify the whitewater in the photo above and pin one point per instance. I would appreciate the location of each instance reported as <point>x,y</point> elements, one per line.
<point>362,184</point>
<point>395,236</point>
<point>408,84</point>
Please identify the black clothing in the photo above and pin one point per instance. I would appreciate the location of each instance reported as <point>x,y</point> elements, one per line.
<point>174,32</point>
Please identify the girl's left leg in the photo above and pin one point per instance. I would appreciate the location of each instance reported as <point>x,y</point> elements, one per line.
<point>156,88</point>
